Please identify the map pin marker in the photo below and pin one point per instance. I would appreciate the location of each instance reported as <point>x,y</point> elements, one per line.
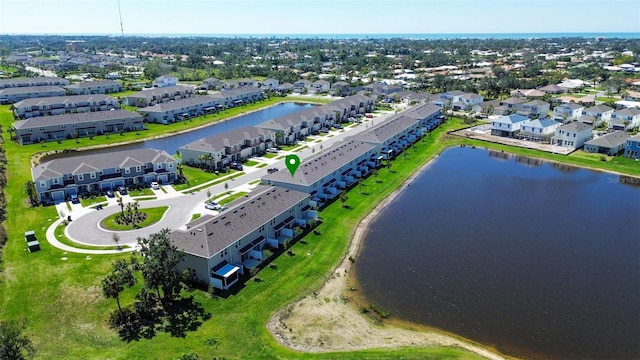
<point>292,162</point>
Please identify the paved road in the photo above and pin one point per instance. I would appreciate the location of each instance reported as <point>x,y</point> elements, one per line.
<point>85,228</point>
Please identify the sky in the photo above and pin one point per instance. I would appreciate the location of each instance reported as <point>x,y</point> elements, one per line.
<point>240,17</point>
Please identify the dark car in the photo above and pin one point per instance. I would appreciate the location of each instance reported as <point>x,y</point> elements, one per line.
<point>272,170</point>
<point>109,193</point>
<point>122,190</point>
<point>235,165</point>
<point>74,199</point>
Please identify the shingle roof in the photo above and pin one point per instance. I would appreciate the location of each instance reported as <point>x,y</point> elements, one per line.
<point>91,84</point>
<point>540,123</point>
<point>181,103</point>
<point>511,119</point>
<point>218,142</point>
<point>73,99</point>
<point>149,93</point>
<point>209,234</point>
<point>576,127</point>
<point>321,165</point>
<point>385,130</point>
<point>598,109</point>
<point>75,118</point>
<point>627,112</point>
<point>33,80</point>
<point>31,89</point>
<point>79,164</point>
<point>610,140</point>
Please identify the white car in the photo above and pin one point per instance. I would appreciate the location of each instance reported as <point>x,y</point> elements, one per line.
<point>213,206</point>
<point>154,185</point>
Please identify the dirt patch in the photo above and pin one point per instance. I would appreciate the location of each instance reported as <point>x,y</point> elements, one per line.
<point>328,321</point>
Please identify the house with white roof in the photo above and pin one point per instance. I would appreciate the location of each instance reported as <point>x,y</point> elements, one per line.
<point>572,135</point>
<point>507,126</point>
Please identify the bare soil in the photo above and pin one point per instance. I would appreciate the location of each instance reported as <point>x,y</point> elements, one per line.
<point>330,319</point>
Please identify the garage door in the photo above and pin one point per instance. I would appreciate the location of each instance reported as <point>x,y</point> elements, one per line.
<point>57,195</point>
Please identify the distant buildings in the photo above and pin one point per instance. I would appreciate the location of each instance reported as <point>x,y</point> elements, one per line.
<point>151,97</point>
<point>12,95</point>
<point>94,87</point>
<point>165,81</point>
<point>30,82</point>
<point>63,104</point>
<point>177,110</point>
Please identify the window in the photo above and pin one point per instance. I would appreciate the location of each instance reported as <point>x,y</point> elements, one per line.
<point>80,177</point>
<point>93,175</point>
<point>43,183</point>
<point>127,170</point>
<point>56,181</point>
<point>138,168</point>
<point>170,165</point>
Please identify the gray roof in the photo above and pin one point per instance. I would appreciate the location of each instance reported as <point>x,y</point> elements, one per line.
<point>535,103</point>
<point>454,93</point>
<point>286,121</point>
<point>209,234</point>
<point>540,123</point>
<point>30,89</point>
<point>321,165</point>
<point>627,112</point>
<point>511,119</point>
<point>513,100</point>
<point>385,130</point>
<point>598,109</point>
<point>149,93</point>
<point>33,80</point>
<point>82,164</point>
<point>284,86</point>
<point>218,142</point>
<point>576,127</point>
<point>470,96</point>
<point>421,111</point>
<point>635,137</point>
<point>610,140</point>
<point>91,84</point>
<point>73,99</point>
<point>179,104</point>
<point>572,106</point>
<point>241,91</point>
<point>74,118</point>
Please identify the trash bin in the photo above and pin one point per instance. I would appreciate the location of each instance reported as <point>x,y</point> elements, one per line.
<point>69,217</point>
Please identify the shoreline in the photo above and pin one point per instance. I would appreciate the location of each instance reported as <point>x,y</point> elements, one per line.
<point>327,321</point>
<point>35,158</point>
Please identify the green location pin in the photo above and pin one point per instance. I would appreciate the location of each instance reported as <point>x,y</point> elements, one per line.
<point>292,162</point>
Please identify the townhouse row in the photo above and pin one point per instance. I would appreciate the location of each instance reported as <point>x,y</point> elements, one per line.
<point>58,179</point>
<point>219,249</point>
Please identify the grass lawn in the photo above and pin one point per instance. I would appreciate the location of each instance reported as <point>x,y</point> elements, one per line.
<point>269,155</point>
<point>608,99</point>
<point>94,200</point>
<point>232,197</point>
<point>195,177</point>
<point>221,180</point>
<point>141,192</point>
<point>59,233</point>
<point>153,216</point>
<point>261,165</point>
<point>67,314</point>
<point>250,163</point>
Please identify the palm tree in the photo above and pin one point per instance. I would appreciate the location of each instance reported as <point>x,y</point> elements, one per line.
<point>121,276</point>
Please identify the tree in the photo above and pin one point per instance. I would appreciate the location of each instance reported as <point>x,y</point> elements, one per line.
<point>30,189</point>
<point>158,268</point>
<point>121,203</point>
<point>116,239</point>
<point>14,344</point>
<point>343,199</point>
<point>115,282</point>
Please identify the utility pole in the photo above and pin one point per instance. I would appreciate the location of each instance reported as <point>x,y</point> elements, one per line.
<point>120,13</point>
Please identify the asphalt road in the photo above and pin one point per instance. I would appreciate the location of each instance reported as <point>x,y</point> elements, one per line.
<point>85,228</point>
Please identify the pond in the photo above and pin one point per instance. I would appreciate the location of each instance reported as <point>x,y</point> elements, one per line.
<point>537,259</point>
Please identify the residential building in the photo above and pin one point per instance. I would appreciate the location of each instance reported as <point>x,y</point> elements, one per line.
<point>247,82</point>
<point>512,104</point>
<point>573,135</point>
<point>212,84</point>
<point>449,98</point>
<point>269,84</point>
<point>610,144</point>
<point>467,101</point>
<point>68,126</point>
<point>340,88</point>
<point>12,95</point>
<point>57,179</point>
<point>534,108</point>
<point>218,249</point>
<point>596,115</point>
<point>507,126</point>
<point>381,90</point>
<point>625,119</point>
<point>319,87</point>
<point>427,115</point>
<point>541,129</point>
<point>238,96</point>
<point>567,112</point>
<point>325,175</point>
<point>295,126</point>
<point>553,89</point>
<point>165,81</point>
<point>170,112</point>
<point>301,86</point>
<point>632,147</point>
<point>63,104</point>
<point>351,106</point>
<point>284,88</point>
<point>154,96</point>
<point>94,87</point>
<point>218,151</point>
<point>527,93</point>
<point>29,82</point>
<point>392,136</point>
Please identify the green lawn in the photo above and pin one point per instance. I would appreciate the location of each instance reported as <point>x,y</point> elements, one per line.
<point>250,163</point>
<point>141,192</point>
<point>67,314</point>
<point>153,216</point>
<point>230,198</point>
<point>59,234</point>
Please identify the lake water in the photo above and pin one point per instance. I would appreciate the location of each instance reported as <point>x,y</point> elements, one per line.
<point>539,260</point>
<point>171,143</point>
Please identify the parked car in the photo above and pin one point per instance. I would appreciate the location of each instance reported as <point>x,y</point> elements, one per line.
<point>338,126</point>
<point>154,185</point>
<point>272,170</point>
<point>122,190</point>
<point>324,130</point>
<point>369,116</point>
<point>235,165</point>
<point>74,199</point>
<point>109,193</point>
<point>272,150</point>
<point>213,206</point>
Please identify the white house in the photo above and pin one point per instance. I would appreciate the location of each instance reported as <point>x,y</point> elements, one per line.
<point>573,135</point>
<point>269,84</point>
<point>538,129</point>
<point>600,113</point>
<point>164,81</point>
<point>625,119</point>
<point>567,112</point>
<point>535,108</point>
<point>507,126</point>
